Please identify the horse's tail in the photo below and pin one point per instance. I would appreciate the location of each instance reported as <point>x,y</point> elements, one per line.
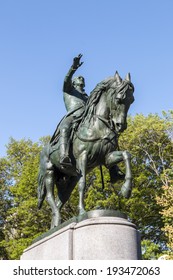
<point>41,191</point>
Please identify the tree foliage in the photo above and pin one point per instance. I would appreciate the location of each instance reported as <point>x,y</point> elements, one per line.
<point>148,139</point>
<point>5,202</point>
<point>151,146</point>
<point>166,199</point>
<point>23,220</point>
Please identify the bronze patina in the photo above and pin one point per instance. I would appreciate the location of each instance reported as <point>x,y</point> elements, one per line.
<point>85,138</point>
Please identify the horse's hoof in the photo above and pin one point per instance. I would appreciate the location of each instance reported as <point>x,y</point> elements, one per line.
<point>55,222</point>
<point>82,212</point>
<point>126,192</point>
<point>55,225</point>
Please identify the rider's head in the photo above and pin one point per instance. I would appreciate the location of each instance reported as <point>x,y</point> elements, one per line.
<point>79,82</point>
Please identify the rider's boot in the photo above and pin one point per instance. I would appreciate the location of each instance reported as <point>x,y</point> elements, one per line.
<point>64,149</point>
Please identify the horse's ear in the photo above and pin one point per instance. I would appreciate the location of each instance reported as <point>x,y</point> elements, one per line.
<point>128,77</point>
<point>118,78</point>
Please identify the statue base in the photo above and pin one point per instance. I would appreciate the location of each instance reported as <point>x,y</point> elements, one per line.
<point>97,235</point>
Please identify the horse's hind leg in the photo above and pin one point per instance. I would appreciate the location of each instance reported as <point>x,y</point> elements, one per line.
<point>64,191</point>
<point>49,182</point>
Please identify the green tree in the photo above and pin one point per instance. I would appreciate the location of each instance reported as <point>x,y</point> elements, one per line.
<point>148,140</point>
<point>23,220</point>
<point>5,202</point>
<point>166,199</point>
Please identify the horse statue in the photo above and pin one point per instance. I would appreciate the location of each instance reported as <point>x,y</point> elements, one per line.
<point>94,142</point>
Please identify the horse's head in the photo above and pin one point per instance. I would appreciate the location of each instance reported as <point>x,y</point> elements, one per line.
<point>120,98</point>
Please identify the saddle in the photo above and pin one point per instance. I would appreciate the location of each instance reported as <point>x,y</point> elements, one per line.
<point>55,137</point>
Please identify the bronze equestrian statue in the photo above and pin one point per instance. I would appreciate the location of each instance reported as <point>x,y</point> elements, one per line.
<point>85,138</point>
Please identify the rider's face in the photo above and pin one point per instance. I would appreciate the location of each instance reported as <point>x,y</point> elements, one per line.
<point>79,81</point>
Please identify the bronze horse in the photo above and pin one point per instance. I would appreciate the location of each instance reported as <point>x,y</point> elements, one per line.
<point>94,143</point>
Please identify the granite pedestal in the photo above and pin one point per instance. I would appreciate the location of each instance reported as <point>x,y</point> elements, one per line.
<point>100,235</point>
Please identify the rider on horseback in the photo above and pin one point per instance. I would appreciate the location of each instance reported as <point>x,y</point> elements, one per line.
<point>75,100</point>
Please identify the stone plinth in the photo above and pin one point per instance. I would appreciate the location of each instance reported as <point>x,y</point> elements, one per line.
<point>100,235</point>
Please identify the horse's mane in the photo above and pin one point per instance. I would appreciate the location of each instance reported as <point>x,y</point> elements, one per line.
<point>95,96</point>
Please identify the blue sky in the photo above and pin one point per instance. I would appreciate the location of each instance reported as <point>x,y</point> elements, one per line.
<point>39,39</point>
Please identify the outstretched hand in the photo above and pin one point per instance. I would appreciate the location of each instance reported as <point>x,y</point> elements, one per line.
<point>76,61</point>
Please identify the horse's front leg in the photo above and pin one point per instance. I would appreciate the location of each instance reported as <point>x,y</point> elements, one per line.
<point>116,157</point>
<point>126,188</point>
<point>82,165</point>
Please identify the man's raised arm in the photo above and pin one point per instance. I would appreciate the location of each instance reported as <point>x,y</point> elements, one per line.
<point>67,86</point>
